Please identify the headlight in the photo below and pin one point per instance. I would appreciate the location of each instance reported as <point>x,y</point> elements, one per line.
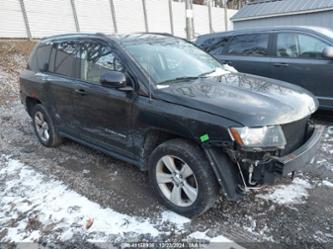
<point>267,136</point>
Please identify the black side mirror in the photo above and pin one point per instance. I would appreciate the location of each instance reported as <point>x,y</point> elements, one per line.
<point>45,67</point>
<point>328,52</point>
<point>113,79</point>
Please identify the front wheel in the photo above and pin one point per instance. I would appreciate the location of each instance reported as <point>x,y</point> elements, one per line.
<point>182,178</point>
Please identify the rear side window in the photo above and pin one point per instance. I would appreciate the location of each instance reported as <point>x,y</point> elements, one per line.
<point>65,56</point>
<point>210,42</point>
<point>218,48</point>
<point>249,45</point>
<point>295,45</point>
<point>40,60</point>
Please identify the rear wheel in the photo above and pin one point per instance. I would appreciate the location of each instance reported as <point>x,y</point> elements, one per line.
<point>44,127</point>
<point>182,177</point>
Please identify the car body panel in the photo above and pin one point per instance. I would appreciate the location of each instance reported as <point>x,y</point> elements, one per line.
<point>248,99</point>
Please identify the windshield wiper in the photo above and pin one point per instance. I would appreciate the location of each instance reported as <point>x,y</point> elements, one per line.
<point>207,73</point>
<point>179,79</point>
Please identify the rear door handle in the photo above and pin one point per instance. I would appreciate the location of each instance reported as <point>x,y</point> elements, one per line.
<point>281,65</point>
<point>81,92</point>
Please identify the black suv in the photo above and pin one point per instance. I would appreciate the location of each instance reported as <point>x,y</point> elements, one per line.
<point>298,55</point>
<point>168,107</point>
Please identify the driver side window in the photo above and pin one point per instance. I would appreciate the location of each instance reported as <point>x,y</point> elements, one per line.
<point>97,59</point>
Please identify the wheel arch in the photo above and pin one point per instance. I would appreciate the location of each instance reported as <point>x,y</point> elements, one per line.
<point>30,102</point>
<point>155,137</point>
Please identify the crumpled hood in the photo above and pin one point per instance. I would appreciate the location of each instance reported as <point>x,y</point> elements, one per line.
<point>247,99</point>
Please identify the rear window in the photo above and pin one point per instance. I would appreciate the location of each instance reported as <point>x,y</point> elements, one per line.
<point>40,59</point>
<point>249,45</point>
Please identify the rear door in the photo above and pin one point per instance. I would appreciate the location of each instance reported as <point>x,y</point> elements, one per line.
<point>104,114</point>
<point>298,59</point>
<point>248,53</point>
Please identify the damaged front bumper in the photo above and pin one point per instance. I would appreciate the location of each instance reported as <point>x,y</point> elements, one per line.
<point>238,175</point>
<point>303,155</point>
<point>271,170</point>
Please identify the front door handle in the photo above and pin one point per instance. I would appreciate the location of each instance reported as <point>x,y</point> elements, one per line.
<point>81,92</point>
<point>281,64</point>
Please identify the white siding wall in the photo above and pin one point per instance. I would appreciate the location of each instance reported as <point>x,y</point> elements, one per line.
<point>94,17</point>
<point>11,19</point>
<point>158,16</point>
<point>49,17</point>
<point>130,16</point>
<point>201,19</point>
<point>179,18</point>
<point>230,23</point>
<point>218,19</point>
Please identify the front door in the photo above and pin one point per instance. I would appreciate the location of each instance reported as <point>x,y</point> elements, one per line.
<point>103,114</point>
<point>299,60</point>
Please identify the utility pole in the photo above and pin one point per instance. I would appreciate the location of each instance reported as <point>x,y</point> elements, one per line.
<point>189,20</point>
<point>209,2</point>
<point>225,8</point>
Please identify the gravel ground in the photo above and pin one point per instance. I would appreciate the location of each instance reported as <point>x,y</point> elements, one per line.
<point>294,214</point>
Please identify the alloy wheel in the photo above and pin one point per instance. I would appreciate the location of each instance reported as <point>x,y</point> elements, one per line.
<point>42,127</point>
<point>176,181</point>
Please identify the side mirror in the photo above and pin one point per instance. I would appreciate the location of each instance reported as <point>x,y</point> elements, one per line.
<point>328,52</point>
<point>113,79</point>
<point>45,67</point>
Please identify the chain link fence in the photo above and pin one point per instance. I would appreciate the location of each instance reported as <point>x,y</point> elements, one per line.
<point>39,18</point>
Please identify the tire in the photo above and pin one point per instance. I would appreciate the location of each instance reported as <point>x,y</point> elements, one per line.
<point>186,194</point>
<point>44,127</point>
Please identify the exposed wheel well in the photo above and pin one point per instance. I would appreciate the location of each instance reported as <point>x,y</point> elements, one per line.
<point>30,103</point>
<point>153,139</point>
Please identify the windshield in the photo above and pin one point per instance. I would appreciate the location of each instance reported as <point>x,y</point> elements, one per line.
<point>170,59</point>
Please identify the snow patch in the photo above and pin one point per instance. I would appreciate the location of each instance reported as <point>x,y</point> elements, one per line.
<point>295,193</point>
<point>53,205</point>
<point>327,183</point>
<point>33,205</point>
<point>178,220</point>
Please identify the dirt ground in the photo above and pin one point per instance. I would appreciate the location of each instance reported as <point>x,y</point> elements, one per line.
<point>295,214</point>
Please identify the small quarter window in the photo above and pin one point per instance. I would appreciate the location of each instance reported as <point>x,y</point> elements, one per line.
<point>40,60</point>
<point>65,58</point>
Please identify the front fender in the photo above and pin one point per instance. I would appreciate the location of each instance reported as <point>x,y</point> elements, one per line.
<point>226,172</point>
